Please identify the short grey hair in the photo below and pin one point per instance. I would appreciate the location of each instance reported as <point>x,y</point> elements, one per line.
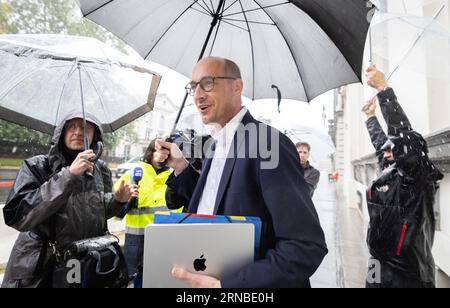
<point>231,69</point>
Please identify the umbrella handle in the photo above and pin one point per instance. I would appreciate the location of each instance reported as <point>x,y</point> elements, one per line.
<point>99,152</point>
<point>96,157</point>
<point>278,96</point>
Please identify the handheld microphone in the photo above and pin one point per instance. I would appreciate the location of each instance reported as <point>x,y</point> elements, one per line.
<point>136,177</point>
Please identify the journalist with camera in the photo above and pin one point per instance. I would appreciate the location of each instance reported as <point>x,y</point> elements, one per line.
<point>58,200</point>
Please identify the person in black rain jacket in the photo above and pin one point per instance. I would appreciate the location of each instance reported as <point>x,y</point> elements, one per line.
<point>53,201</point>
<point>400,202</point>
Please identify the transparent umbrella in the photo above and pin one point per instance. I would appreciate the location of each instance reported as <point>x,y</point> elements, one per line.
<point>409,7</point>
<point>45,77</point>
<point>415,43</point>
<point>322,146</point>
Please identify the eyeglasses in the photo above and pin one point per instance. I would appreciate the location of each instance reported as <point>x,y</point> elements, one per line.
<point>72,126</point>
<point>206,83</point>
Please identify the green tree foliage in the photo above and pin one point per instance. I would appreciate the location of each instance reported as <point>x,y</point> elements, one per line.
<point>4,10</point>
<point>56,17</point>
<point>16,133</point>
<point>112,140</point>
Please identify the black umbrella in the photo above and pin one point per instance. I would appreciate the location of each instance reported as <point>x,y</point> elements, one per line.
<point>304,47</point>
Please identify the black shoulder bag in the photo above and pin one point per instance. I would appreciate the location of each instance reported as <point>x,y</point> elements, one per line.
<point>92,263</point>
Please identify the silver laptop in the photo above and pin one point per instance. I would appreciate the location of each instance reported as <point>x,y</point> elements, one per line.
<point>207,249</point>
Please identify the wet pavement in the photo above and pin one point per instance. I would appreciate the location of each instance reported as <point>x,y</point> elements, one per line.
<point>7,238</point>
<point>344,228</point>
<point>329,273</point>
<point>352,248</point>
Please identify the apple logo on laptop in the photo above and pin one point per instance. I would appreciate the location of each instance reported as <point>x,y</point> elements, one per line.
<point>199,264</point>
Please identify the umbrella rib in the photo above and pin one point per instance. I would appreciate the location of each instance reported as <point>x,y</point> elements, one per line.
<point>217,31</point>
<point>57,66</point>
<point>206,9</point>
<point>209,9</point>
<point>228,7</point>
<point>297,64</point>
<point>96,91</point>
<point>98,8</point>
<point>233,25</point>
<point>416,41</point>
<point>251,44</point>
<point>204,13</point>
<point>250,22</point>
<point>105,55</point>
<point>215,37</point>
<point>260,8</point>
<point>170,26</point>
<point>22,79</point>
<point>71,71</point>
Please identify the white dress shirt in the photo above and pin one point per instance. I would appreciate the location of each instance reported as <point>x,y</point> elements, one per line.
<point>224,140</point>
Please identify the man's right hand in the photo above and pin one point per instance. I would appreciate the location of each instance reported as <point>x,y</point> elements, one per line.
<point>82,163</point>
<point>166,151</point>
<point>370,107</point>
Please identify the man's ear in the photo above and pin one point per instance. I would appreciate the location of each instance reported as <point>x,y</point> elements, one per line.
<point>239,86</point>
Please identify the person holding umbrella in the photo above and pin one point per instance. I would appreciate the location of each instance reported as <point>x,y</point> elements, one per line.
<point>60,198</point>
<point>235,183</point>
<point>402,223</point>
<point>141,212</point>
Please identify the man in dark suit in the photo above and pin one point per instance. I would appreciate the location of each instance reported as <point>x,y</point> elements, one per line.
<point>251,169</point>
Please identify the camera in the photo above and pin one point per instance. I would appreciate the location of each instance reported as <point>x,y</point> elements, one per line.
<point>192,145</point>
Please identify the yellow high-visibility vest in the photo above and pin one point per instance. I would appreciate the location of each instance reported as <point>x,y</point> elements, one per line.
<point>152,198</point>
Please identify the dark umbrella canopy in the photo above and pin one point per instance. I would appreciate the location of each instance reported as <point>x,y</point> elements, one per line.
<point>346,22</point>
<point>305,48</point>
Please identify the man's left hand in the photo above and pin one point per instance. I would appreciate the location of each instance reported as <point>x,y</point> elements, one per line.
<point>126,192</point>
<point>370,107</point>
<point>195,280</point>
